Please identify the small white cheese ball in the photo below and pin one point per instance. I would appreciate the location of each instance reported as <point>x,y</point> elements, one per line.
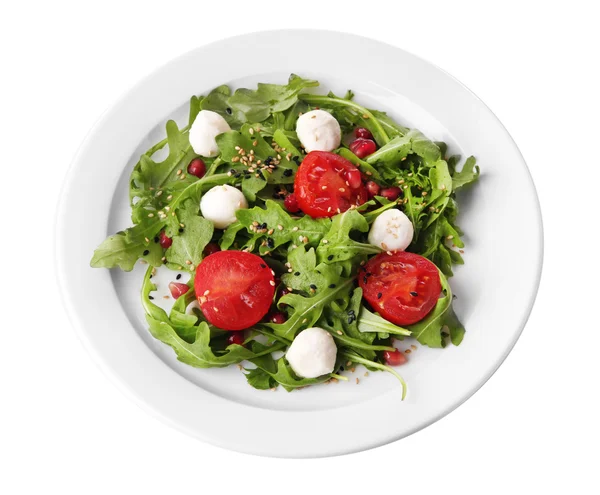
<point>205,128</point>
<point>318,131</point>
<point>391,231</point>
<point>220,204</point>
<point>312,353</point>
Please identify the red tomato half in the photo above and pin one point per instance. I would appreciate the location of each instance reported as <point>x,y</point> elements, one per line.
<point>324,185</point>
<point>402,287</point>
<point>234,289</point>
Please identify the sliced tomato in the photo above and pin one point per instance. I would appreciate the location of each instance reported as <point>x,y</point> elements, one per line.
<point>402,287</point>
<point>325,185</point>
<point>234,289</point>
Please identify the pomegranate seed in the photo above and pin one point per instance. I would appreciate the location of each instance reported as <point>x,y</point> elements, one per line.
<point>363,147</point>
<point>391,193</point>
<point>236,338</point>
<point>164,240</point>
<point>291,204</point>
<point>197,168</point>
<point>394,358</point>
<point>372,188</point>
<point>353,178</point>
<point>178,289</point>
<point>277,318</point>
<point>361,132</point>
<point>211,248</point>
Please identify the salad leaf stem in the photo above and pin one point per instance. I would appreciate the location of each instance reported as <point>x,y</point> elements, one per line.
<point>359,359</point>
<point>324,101</point>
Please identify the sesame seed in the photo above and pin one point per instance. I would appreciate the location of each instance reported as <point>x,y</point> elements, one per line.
<point>188,262</point>
<point>254,143</point>
<point>366,373</point>
<point>202,299</point>
<point>461,251</point>
<point>339,332</point>
<point>365,116</point>
<point>167,208</point>
<point>323,187</point>
<point>206,292</point>
<point>146,239</point>
<point>164,258</point>
<point>166,297</point>
<point>295,229</point>
<point>178,277</point>
<point>389,253</point>
<point>328,209</point>
<point>407,351</point>
<point>146,252</point>
<point>278,156</point>
<point>272,282</point>
<point>237,148</point>
<point>342,189</point>
<point>357,381</point>
<point>379,295</point>
<point>150,215</point>
<point>179,172</point>
<point>414,347</point>
<point>339,211</point>
<point>443,186</point>
<point>235,159</point>
<point>424,193</point>
<point>169,198</point>
<point>368,173</point>
<point>332,286</point>
<point>325,241</point>
<point>450,237</point>
<point>348,364</point>
<point>158,193</point>
<point>251,130</point>
<point>413,293</point>
<point>280,227</point>
<point>384,246</point>
<point>290,270</point>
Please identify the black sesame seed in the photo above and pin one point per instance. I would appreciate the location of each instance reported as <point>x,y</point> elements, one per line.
<point>330,257</point>
<point>151,298</point>
<point>180,230</point>
<point>229,111</point>
<point>365,279</point>
<point>237,174</point>
<point>379,295</point>
<point>313,286</point>
<point>146,252</point>
<point>246,172</point>
<point>156,239</point>
<point>296,159</point>
<point>270,243</point>
<point>297,274</point>
<point>288,172</point>
<point>232,171</point>
<point>263,225</point>
<point>332,286</point>
<point>341,368</point>
<point>178,276</point>
<point>413,293</point>
<point>262,265</point>
<point>369,274</point>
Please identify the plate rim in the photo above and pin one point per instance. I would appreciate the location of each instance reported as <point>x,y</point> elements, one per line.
<point>78,320</point>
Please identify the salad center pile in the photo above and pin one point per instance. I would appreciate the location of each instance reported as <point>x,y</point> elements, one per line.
<point>308,224</point>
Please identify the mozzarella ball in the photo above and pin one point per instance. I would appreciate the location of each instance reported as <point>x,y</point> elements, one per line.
<point>391,231</point>
<point>312,353</point>
<point>205,128</point>
<point>318,131</point>
<point>220,204</point>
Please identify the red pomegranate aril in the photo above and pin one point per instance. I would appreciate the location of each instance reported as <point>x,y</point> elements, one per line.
<point>211,248</point>
<point>391,193</point>
<point>291,204</point>
<point>363,147</point>
<point>164,240</point>
<point>178,289</point>
<point>353,178</point>
<point>197,168</point>
<point>394,358</point>
<point>278,318</point>
<point>361,132</point>
<point>373,188</point>
<point>236,338</point>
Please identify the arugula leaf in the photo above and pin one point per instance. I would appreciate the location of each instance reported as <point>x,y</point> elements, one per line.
<point>217,101</point>
<point>369,322</point>
<point>306,311</point>
<point>468,174</point>
<point>264,225</point>
<point>188,245</point>
<point>399,148</point>
<point>124,249</point>
<point>338,244</point>
<point>429,331</point>
<point>257,105</point>
<point>356,358</point>
<point>306,276</point>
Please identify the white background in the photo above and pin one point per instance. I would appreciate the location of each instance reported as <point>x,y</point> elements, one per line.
<point>533,427</point>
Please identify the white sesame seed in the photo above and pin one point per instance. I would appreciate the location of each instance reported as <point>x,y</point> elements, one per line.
<point>325,241</point>
<point>237,148</point>
<point>339,332</point>
<point>323,187</point>
<point>251,130</point>
<point>342,189</point>
<point>206,292</point>
<point>179,172</point>
<point>272,283</point>
<point>280,227</point>
<point>150,215</point>
<point>188,262</point>
<point>295,229</point>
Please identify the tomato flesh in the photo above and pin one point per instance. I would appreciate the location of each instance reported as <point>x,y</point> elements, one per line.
<point>234,289</point>
<point>402,287</point>
<point>321,186</point>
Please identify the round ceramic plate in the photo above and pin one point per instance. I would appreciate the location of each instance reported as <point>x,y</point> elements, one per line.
<point>495,288</point>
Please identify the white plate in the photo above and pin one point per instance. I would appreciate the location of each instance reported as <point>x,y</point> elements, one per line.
<point>496,287</point>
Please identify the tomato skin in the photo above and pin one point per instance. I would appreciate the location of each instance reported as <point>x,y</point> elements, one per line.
<point>291,203</point>
<point>234,289</point>
<point>320,186</point>
<point>394,358</point>
<point>402,287</point>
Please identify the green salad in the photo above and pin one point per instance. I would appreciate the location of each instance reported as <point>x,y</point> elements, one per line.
<point>306,224</point>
